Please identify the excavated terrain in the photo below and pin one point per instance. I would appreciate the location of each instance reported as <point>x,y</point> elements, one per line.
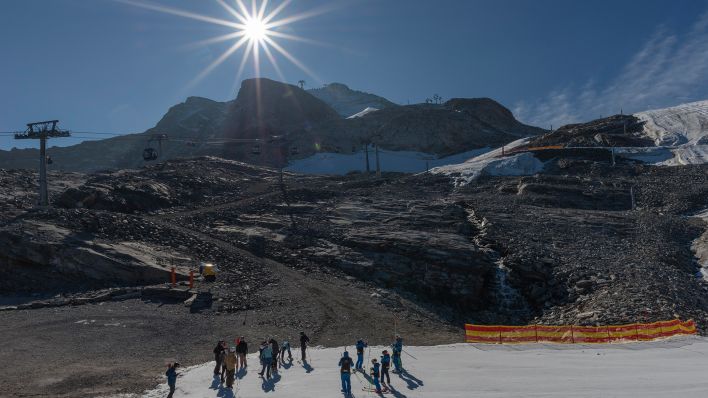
<point>86,304</point>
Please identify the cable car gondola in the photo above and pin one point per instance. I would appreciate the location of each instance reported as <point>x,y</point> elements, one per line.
<point>149,154</point>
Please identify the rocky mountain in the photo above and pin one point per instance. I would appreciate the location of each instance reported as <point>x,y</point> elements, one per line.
<point>348,102</point>
<point>270,122</point>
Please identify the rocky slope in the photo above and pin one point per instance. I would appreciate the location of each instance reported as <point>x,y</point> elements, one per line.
<point>348,102</point>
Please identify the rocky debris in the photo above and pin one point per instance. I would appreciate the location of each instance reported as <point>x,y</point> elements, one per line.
<point>617,131</point>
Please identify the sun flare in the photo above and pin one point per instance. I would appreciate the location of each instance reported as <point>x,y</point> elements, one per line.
<point>255,30</point>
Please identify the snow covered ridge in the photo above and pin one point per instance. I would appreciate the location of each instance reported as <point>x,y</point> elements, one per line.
<point>680,133</point>
<point>673,367</point>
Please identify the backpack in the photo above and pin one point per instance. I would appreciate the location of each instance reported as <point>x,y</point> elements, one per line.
<point>347,365</point>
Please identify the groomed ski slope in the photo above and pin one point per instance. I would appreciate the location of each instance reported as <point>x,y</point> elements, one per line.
<point>669,368</point>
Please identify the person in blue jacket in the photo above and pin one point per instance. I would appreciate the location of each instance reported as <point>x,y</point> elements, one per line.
<point>385,365</point>
<point>171,377</point>
<point>360,345</point>
<point>375,374</point>
<point>345,367</point>
<point>397,349</point>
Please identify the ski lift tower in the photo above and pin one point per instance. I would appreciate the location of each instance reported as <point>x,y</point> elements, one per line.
<point>42,131</point>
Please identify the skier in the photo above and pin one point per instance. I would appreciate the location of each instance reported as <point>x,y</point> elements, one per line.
<point>267,358</point>
<point>304,340</point>
<point>397,349</point>
<point>285,347</point>
<point>360,345</point>
<point>345,365</point>
<point>218,357</point>
<point>276,352</point>
<point>171,377</point>
<point>385,365</point>
<point>241,351</point>
<point>375,375</point>
<point>230,362</point>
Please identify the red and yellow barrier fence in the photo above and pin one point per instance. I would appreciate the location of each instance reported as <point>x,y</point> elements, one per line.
<point>570,334</point>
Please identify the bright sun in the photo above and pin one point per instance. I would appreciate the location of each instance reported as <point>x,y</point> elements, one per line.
<point>255,29</point>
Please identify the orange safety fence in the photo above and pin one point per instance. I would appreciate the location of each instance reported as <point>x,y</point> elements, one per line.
<point>570,334</point>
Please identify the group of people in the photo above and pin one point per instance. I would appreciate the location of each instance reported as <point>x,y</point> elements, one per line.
<point>378,370</point>
<point>229,360</point>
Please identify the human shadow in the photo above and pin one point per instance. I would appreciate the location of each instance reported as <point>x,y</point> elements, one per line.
<point>215,383</point>
<point>268,385</point>
<point>411,381</point>
<point>394,392</point>
<point>286,364</point>
<point>225,392</point>
<point>241,373</point>
<point>307,366</point>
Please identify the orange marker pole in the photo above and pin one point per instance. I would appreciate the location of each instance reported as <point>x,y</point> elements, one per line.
<point>174,277</point>
<point>191,279</point>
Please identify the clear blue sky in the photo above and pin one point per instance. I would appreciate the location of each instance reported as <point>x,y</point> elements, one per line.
<point>105,66</point>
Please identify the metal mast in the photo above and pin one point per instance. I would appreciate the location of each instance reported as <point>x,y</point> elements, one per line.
<point>42,131</point>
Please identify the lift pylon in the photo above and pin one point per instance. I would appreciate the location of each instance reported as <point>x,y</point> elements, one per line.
<point>42,131</point>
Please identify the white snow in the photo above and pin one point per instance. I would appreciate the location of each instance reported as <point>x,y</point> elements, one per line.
<point>674,367</point>
<point>682,129</point>
<point>700,247</point>
<point>366,111</point>
<point>397,161</point>
<point>492,163</point>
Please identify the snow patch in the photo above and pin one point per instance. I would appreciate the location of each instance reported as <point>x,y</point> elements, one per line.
<point>366,111</point>
<point>521,164</point>
<point>674,367</point>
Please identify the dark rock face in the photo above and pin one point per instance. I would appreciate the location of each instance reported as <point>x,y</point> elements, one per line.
<point>348,102</point>
<point>617,130</point>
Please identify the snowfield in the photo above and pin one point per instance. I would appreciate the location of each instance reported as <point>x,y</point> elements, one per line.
<point>674,367</point>
<point>396,161</point>
<point>681,129</point>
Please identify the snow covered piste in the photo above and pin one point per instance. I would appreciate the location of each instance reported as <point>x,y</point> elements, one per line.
<point>571,334</point>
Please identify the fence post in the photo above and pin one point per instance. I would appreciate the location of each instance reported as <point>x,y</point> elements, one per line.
<point>174,277</point>
<point>191,279</point>
<point>535,329</point>
<point>609,339</point>
<point>636,330</point>
<point>500,337</point>
<point>572,335</point>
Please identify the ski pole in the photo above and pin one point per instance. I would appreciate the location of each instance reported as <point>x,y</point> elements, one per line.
<point>410,355</point>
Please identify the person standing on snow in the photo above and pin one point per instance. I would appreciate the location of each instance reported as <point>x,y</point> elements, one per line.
<point>267,358</point>
<point>218,356</point>
<point>171,377</point>
<point>345,367</point>
<point>285,347</point>
<point>375,375</point>
<point>230,362</point>
<point>385,365</point>
<point>360,345</point>
<point>276,352</point>
<point>241,351</point>
<point>397,350</point>
<point>304,341</point>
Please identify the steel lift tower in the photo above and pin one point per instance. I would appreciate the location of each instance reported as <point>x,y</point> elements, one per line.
<point>42,131</point>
